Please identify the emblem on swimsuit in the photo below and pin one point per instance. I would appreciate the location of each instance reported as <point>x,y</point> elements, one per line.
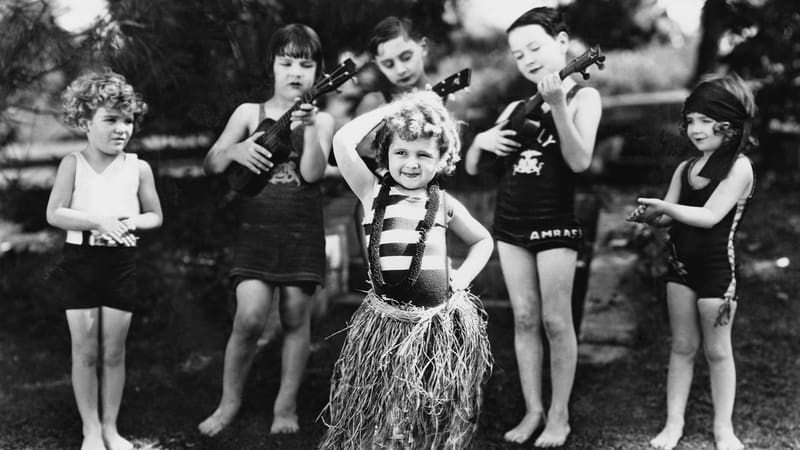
<point>285,173</point>
<point>528,162</point>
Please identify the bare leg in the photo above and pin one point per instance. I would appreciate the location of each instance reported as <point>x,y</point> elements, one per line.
<point>252,306</point>
<point>115,331</point>
<point>296,318</point>
<point>556,274</point>
<point>722,371</point>
<point>83,331</point>
<point>519,273</point>
<point>683,321</point>
<point>272,329</point>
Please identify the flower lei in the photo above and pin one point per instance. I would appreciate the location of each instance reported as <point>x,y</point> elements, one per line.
<point>376,273</point>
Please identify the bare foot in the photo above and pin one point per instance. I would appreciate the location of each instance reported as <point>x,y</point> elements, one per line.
<point>220,419</point>
<point>114,441</point>
<point>555,432</point>
<point>726,440</point>
<point>525,429</point>
<point>668,438</point>
<point>284,424</point>
<point>93,441</point>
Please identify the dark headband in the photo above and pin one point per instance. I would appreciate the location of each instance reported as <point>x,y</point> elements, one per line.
<point>717,103</point>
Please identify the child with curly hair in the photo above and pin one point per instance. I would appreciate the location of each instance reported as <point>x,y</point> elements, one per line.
<point>101,196</point>
<point>411,370</point>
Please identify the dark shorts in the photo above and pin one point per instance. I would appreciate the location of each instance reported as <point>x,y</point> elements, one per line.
<point>707,280</point>
<point>540,236</point>
<point>90,277</point>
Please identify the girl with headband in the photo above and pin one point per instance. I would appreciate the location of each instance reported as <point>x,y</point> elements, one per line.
<point>703,205</point>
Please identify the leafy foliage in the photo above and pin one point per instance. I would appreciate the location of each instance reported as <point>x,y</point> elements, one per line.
<point>196,60</point>
<point>33,50</point>
<point>616,24</point>
<point>772,55</point>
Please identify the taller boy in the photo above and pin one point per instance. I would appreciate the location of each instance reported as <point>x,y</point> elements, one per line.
<point>535,226</point>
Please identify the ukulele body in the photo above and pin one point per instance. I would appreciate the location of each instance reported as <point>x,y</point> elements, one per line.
<point>278,142</point>
<point>527,125</point>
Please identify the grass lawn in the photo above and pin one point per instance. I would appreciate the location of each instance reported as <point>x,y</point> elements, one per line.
<point>619,406</point>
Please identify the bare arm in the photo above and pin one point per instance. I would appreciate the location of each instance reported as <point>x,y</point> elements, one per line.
<point>345,143</point>
<point>476,236</point>
<point>645,215</point>
<point>151,215</point>
<point>577,130</point>
<point>722,200</point>
<point>317,139</point>
<point>59,214</point>
<point>234,145</point>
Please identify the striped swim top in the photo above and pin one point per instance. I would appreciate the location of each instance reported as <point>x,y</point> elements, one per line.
<point>398,243</point>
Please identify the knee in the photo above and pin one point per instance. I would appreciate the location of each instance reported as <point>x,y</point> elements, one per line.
<point>113,357</point>
<point>684,347</point>
<point>527,321</point>
<point>85,354</point>
<point>248,326</point>
<point>555,325</point>
<point>295,319</point>
<point>717,352</point>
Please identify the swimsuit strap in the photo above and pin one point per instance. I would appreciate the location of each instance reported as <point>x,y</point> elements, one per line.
<point>572,91</point>
<point>262,112</point>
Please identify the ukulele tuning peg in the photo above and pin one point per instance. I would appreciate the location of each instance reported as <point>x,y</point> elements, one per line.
<point>601,65</point>
<point>585,75</point>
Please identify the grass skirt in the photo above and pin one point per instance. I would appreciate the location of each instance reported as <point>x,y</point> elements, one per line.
<point>409,377</point>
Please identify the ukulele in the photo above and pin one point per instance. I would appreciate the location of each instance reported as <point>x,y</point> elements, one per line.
<point>277,133</point>
<point>516,120</point>
<point>453,83</point>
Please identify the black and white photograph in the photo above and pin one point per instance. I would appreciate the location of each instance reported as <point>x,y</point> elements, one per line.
<point>399,224</point>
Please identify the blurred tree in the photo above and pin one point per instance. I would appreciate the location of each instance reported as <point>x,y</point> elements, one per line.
<point>717,18</point>
<point>770,52</point>
<point>195,60</point>
<point>762,38</point>
<point>34,51</point>
<point>615,24</point>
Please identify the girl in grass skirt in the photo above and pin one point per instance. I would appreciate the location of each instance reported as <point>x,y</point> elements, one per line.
<point>416,355</point>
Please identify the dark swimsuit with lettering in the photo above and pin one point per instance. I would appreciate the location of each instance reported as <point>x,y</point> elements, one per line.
<point>704,259</point>
<point>535,199</point>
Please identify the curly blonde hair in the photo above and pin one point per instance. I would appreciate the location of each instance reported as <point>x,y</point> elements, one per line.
<point>93,90</point>
<point>420,115</point>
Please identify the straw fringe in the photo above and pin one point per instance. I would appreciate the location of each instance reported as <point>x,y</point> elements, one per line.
<point>409,377</point>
